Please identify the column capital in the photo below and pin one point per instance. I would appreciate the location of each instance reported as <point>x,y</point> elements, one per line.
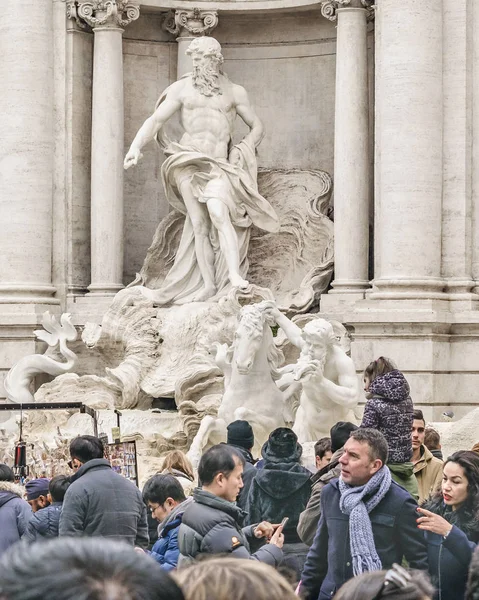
<point>101,13</point>
<point>329,8</point>
<point>194,22</point>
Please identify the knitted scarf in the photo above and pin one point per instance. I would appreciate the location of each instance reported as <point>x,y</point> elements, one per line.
<point>352,502</point>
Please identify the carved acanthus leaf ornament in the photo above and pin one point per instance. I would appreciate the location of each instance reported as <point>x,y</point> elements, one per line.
<point>97,13</point>
<point>329,7</point>
<point>195,21</point>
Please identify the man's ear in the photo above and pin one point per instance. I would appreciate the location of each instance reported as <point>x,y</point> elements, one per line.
<point>377,464</point>
<point>219,479</point>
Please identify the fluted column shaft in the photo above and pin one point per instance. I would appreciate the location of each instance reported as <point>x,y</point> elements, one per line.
<point>409,105</point>
<point>351,153</point>
<point>26,151</point>
<point>107,18</point>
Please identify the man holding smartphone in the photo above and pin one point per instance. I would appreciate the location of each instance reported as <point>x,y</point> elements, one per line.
<point>212,524</point>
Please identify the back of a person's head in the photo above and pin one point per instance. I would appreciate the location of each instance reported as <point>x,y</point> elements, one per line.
<point>395,584</point>
<point>218,459</point>
<point>378,367</point>
<point>58,487</point>
<point>176,459</point>
<point>83,569</point>
<point>86,447</point>
<point>6,473</point>
<point>472,591</point>
<point>227,578</point>
<point>162,486</point>
<point>432,439</point>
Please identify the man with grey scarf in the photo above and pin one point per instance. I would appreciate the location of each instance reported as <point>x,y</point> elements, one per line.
<point>368,522</point>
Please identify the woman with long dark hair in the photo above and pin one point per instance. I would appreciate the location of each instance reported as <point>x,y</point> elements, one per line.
<point>450,520</point>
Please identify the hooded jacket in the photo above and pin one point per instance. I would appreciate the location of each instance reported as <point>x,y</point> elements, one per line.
<point>280,489</point>
<point>390,411</point>
<point>44,523</point>
<point>428,472</point>
<point>309,518</point>
<point>15,514</point>
<point>100,502</point>
<point>166,551</point>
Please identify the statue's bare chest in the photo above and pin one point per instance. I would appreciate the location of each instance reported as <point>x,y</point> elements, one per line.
<point>193,100</point>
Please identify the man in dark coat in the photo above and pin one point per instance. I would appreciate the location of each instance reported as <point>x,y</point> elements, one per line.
<point>100,502</point>
<point>212,524</point>
<point>45,522</point>
<point>241,436</point>
<point>282,489</point>
<point>368,522</point>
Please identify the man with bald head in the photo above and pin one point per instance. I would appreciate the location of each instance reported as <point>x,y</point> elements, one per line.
<point>207,178</point>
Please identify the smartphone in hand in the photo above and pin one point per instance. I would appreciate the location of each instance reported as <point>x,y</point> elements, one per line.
<point>284,522</point>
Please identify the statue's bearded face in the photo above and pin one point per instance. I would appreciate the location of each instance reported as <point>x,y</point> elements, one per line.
<point>206,74</point>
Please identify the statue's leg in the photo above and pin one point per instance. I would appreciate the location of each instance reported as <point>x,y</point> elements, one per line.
<point>204,252</point>
<point>200,440</point>
<point>220,218</point>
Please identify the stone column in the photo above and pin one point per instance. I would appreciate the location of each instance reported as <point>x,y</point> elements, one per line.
<point>188,25</point>
<point>26,152</point>
<point>107,18</point>
<point>409,149</point>
<point>351,147</point>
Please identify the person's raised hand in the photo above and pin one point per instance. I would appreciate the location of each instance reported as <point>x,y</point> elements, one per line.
<point>429,521</point>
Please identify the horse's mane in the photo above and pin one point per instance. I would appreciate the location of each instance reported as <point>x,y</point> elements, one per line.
<point>253,317</point>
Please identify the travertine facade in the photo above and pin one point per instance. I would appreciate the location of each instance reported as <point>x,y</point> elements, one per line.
<point>385,99</point>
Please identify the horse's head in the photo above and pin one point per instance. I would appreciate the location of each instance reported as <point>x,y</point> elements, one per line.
<point>249,335</point>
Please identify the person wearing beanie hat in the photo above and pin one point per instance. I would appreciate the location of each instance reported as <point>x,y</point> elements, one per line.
<point>282,489</point>
<point>45,522</point>
<point>241,436</point>
<point>37,493</point>
<point>309,518</point>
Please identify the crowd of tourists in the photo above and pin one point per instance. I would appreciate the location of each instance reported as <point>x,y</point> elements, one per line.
<point>380,515</point>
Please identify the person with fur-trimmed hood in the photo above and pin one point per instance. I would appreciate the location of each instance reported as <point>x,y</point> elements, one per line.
<point>15,512</point>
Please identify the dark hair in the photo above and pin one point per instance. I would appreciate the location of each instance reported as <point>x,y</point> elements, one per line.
<point>86,447</point>
<point>160,487</point>
<point>376,441</point>
<point>322,446</point>
<point>6,473</point>
<point>58,487</point>
<point>370,586</point>
<point>466,517</point>
<point>432,439</point>
<point>83,569</point>
<point>379,367</point>
<point>472,590</point>
<point>218,459</point>
<point>418,416</point>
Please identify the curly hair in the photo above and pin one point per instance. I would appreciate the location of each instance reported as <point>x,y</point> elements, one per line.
<point>466,517</point>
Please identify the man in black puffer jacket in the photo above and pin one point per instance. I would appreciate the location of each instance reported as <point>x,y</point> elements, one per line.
<point>45,522</point>
<point>100,502</point>
<point>212,524</point>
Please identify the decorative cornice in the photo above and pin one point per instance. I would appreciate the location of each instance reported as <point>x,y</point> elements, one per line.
<point>195,22</point>
<point>329,7</point>
<point>98,13</point>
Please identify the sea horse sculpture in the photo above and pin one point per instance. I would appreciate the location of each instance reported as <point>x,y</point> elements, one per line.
<point>251,368</point>
<point>19,378</point>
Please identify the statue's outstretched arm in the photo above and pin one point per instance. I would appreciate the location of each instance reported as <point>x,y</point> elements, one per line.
<point>147,132</point>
